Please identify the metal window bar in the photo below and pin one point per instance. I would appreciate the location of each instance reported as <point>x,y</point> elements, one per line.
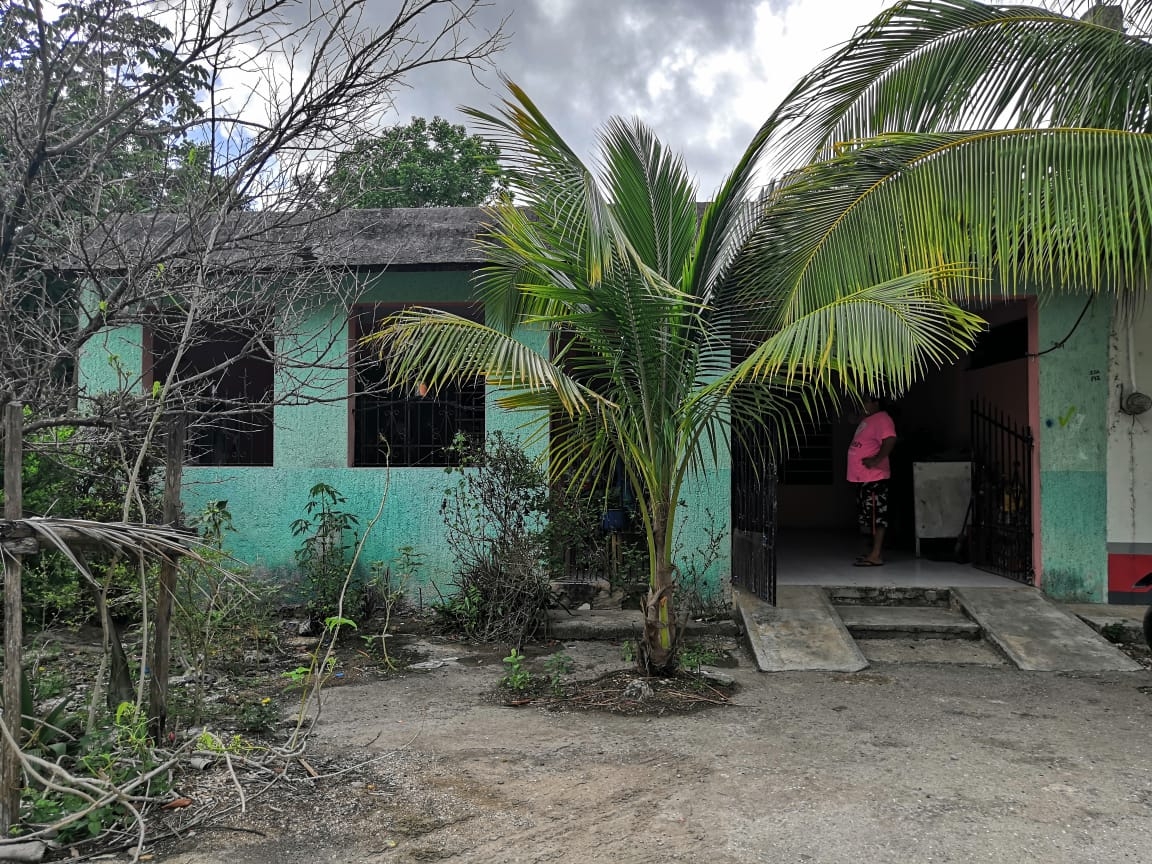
<point>1001,494</point>
<point>812,461</point>
<point>413,431</point>
<point>232,410</point>
<point>229,437</point>
<point>402,427</point>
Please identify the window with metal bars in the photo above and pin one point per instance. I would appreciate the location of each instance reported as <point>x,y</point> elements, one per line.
<point>225,384</point>
<point>402,426</point>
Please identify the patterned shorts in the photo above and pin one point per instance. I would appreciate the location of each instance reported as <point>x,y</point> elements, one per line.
<point>872,506</point>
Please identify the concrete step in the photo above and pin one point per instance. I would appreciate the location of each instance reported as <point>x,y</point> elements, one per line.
<point>1117,624</point>
<point>907,622</point>
<point>887,595</point>
<point>1037,635</point>
<point>802,633</point>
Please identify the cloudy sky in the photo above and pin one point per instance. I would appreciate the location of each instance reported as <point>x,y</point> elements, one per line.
<point>703,73</point>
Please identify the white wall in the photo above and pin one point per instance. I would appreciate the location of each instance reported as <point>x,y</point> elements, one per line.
<point>1130,438</point>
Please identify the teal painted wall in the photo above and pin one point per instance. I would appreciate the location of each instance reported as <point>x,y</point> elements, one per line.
<point>1073,448</point>
<point>111,361</point>
<point>706,512</point>
<point>312,446</point>
<point>312,442</point>
<point>314,434</point>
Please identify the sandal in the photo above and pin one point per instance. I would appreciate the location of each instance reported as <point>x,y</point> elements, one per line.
<point>867,562</point>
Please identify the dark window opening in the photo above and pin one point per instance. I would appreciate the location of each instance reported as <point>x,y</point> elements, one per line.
<point>805,458</point>
<point>1001,344</point>
<point>402,426</point>
<point>225,382</point>
<point>811,462</point>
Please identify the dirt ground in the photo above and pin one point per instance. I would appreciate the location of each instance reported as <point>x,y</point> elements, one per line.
<point>935,754</point>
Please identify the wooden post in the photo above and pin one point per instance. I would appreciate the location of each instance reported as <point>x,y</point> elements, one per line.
<point>13,620</point>
<point>162,620</point>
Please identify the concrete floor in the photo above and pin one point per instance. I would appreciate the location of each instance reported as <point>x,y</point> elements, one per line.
<point>825,558</point>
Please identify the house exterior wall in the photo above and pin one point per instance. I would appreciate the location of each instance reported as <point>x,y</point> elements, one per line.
<point>1072,442</point>
<point>311,445</point>
<point>1129,459</point>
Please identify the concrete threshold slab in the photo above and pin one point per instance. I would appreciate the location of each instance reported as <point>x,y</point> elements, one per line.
<point>886,595</point>
<point>802,633</point>
<point>907,622</point>
<point>1037,635</point>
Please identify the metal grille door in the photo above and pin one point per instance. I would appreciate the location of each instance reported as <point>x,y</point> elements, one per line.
<point>1001,495</point>
<point>753,520</point>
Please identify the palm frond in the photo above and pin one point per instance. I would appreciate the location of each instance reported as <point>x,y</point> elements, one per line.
<point>158,542</point>
<point>431,347</point>
<point>881,337</point>
<point>653,196</point>
<point>771,417</point>
<point>547,177</point>
<point>949,65</point>
<point>1070,210</point>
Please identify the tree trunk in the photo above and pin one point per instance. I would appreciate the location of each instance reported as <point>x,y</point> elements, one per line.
<point>120,687</point>
<point>10,770</point>
<point>161,641</point>
<point>658,654</point>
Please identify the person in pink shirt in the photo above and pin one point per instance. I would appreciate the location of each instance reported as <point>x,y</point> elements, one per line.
<point>869,470</point>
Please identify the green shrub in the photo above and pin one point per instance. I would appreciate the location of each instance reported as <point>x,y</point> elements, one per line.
<point>327,536</point>
<point>495,516</point>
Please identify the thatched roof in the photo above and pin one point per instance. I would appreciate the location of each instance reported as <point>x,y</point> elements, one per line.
<point>441,237</point>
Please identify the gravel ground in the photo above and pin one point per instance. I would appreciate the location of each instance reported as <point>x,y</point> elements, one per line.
<point>938,753</point>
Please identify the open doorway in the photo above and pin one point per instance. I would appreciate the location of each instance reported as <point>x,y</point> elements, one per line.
<point>941,435</point>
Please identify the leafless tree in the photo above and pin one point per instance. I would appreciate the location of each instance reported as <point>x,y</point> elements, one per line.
<point>158,160</point>
<point>154,155</point>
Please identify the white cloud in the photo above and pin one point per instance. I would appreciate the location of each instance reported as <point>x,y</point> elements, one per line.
<point>704,75</point>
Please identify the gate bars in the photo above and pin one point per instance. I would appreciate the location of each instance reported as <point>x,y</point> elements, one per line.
<point>1001,494</point>
<point>753,520</point>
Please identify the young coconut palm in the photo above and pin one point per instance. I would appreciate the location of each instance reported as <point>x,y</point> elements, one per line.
<point>668,328</point>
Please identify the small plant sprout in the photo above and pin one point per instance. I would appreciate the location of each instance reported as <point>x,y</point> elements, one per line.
<point>328,535</point>
<point>516,677</point>
<point>628,651</point>
<point>386,589</point>
<point>693,656</point>
<point>557,666</point>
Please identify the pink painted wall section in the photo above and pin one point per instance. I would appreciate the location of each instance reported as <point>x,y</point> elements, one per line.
<point>1034,422</point>
<point>1003,386</point>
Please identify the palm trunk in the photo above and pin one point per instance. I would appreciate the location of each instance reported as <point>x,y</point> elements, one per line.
<point>658,654</point>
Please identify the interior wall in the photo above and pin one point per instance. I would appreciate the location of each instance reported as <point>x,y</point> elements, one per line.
<point>827,507</point>
<point>1004,387</point>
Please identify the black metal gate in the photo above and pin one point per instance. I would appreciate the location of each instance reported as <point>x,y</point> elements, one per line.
<point>753,519</point>
<point>1001,494</point>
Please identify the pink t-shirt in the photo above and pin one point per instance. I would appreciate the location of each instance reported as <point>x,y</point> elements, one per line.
<point>870,434</point>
